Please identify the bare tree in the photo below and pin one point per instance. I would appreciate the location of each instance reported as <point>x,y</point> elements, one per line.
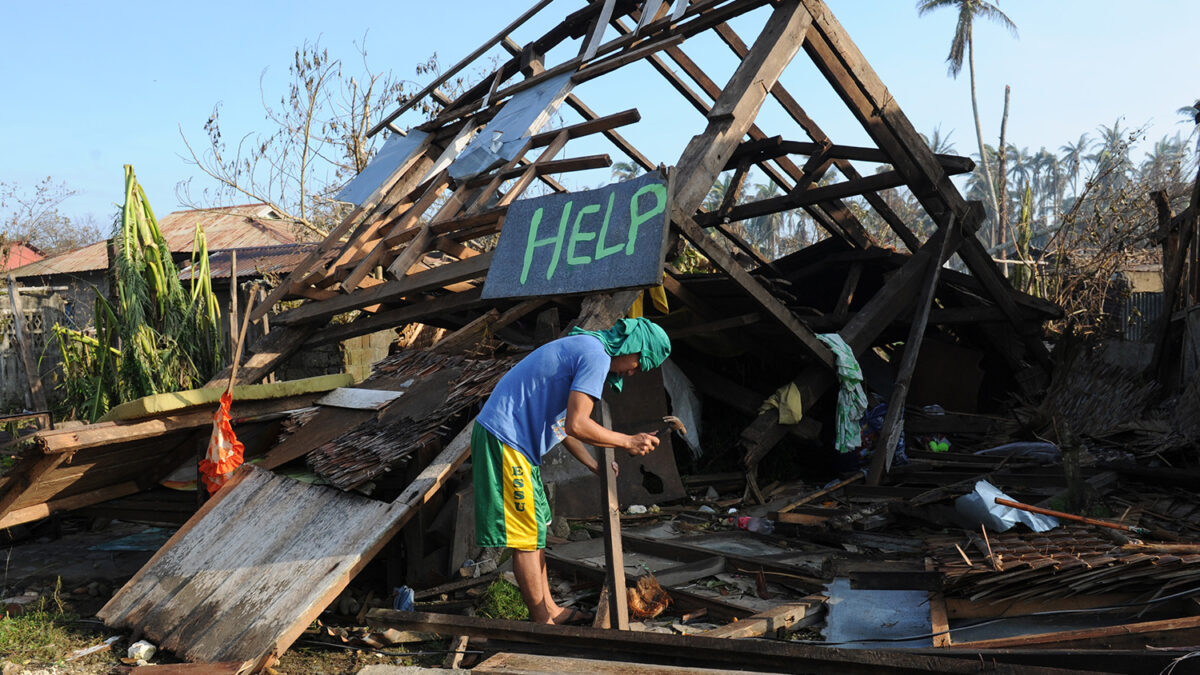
<point>31,216</point>
<point>316,143</point>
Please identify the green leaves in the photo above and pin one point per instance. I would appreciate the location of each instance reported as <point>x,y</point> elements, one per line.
<point>157,338</point>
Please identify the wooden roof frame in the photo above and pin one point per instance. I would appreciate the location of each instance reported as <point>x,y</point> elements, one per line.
<point>398,225</point>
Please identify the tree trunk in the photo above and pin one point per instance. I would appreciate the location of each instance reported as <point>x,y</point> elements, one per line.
<point>1001,166</point>
<point>983,160</point>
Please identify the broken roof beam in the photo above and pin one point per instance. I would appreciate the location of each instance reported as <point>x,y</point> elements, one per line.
<point>705,155</point>
<point>817,195</point>
<point>456,68</point>
<point>389,291</point>
<point>797,113</point>
<point>861,331</point>
<point>835,218</point>
<point>703,15</point>
<point>775,146</point>
<point>845,68</point>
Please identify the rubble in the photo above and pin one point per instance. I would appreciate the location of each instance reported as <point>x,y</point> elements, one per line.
<point>770,533</point>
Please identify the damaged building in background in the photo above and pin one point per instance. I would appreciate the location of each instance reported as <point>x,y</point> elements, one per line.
<point>890,540</point>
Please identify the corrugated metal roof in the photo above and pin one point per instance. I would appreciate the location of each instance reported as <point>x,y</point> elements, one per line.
<point>230,227</point>
<point>258,260</point>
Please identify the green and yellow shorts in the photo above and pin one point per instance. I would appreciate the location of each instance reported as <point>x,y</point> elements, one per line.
<point>510,502</point>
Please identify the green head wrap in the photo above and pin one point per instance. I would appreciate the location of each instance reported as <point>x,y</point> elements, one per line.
<point>632,336</point>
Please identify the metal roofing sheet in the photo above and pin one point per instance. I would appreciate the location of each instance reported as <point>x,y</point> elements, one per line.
<point>230,227</point>
<point>258,260</point>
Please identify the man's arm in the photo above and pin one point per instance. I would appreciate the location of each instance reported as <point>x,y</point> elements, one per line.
<point>580,425</point>
<point>581,453</point>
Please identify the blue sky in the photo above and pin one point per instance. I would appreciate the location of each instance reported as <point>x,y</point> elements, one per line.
<point>91,86</point>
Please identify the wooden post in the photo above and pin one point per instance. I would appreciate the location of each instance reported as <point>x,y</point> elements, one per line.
<point>233,302</point>
<point>889,435</point>
<point>618,603</point>
<point>35,398</point>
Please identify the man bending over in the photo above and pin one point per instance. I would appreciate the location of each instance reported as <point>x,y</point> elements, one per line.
<point>547,398</point>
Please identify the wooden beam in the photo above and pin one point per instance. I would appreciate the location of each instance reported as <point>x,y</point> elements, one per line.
<point>889,434</point>
<point>953,164</point>
<point>695,649</point>
<point>810,196</point>
<point>1163,633</point>
<point>24,475</point>
<point>773,623</point>
<point>390,291</point>
<point>838,58</point>
<point>614,557</point>
<point>416,312</point>
<point>734,110</point>
<point>774,308</point>
<point>39,511</point>
<point>37,397</point>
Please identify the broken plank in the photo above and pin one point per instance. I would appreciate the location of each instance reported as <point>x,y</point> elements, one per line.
<point>693,649</point>
<point>774,622</point>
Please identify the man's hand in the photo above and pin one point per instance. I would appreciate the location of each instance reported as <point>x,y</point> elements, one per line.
<point>641,444</point>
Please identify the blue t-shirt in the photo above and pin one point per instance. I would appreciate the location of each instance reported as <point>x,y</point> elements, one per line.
<point>528,408</point>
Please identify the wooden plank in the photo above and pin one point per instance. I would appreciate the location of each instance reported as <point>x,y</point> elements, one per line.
<point>889,435</point>
<point>811,196</point>
<point>134,590</point>
<point>614,557</point>
<point>1163,633</point>
<point>417,312</point>
<point>774,622</point>
<point>388,292</point>
<point>774,308</point>
<point>37,397</point>
<point>23,476</point>
<point>506,663</point>
<point>39,511</point>
<point>694,649</point>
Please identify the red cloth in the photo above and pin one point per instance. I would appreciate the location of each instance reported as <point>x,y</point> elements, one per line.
<point>224,449</point>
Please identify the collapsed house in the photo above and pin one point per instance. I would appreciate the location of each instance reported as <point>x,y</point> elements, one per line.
<point>247,574</point>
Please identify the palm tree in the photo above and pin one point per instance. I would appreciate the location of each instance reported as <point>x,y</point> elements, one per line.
<point>625,171</point>
<point>1112,156</point>
<point>939,144</point>
<point>964,42</point>
<point>763,231</point>
<point>1073,155</point>
<point>1191,114</point>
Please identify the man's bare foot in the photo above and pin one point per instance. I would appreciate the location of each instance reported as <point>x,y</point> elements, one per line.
<point>571,616</point>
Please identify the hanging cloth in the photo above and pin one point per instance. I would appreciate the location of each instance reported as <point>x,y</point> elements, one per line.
<point>852,400</point>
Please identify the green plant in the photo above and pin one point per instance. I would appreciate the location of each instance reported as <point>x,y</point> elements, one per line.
<point>156,337</point>
<point>502,600</point>
<point>43,633</point>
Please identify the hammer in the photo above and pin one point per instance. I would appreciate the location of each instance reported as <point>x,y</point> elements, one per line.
<point>672,423</point>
